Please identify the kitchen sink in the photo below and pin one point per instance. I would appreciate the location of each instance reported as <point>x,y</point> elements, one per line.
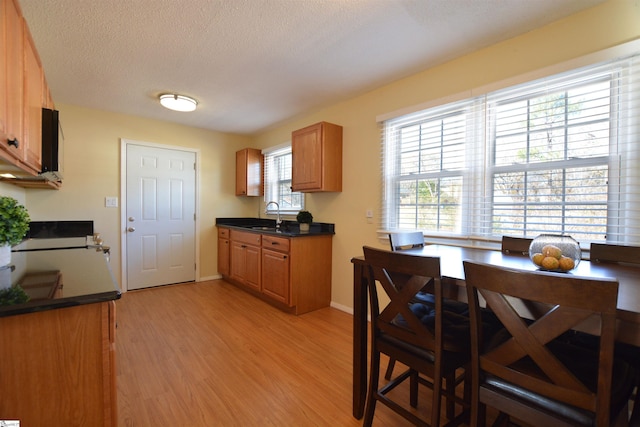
<point>263,228</point>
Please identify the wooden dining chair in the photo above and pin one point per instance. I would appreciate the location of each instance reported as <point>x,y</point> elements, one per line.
<point>603,252</point>
<point>608,253</point>
<point>403,241</point>
<point>524,371</point>
<point>432,343</point>
<point>406,240</point>
<point>411,240</point>
<point>515,245</point>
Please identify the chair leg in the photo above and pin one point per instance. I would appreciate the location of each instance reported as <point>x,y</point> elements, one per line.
<point>466,394</point>
<point>450,390</point>
<point>502,420</point>
<point>413,388</point>
<point>374,377</point>
<point>437,395</point>
<point>390,366</point>
<point>634,421</point>
<point>477,411</point>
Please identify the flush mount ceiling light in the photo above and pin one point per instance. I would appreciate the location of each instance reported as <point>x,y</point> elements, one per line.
<point>176,102</point>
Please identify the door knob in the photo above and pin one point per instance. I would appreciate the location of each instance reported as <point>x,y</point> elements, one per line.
<point>131,219</point>
<point>131,229</point>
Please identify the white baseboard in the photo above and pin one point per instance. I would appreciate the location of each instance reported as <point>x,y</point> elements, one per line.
<point>204,279</point>
<point>341,307</point>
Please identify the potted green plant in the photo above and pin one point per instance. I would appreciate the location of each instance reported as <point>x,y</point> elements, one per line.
<point>13,295</point>
<point>304,218</point>
<point>14,224</point>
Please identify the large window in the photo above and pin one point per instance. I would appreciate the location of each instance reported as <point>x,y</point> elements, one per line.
<point>278,181</point>
<point>558,155</point>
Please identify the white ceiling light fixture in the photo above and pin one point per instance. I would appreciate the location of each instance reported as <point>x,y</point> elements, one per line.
<point>176,102</point>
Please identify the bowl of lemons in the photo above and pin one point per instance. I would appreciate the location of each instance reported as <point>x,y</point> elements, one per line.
<point>555,252</point>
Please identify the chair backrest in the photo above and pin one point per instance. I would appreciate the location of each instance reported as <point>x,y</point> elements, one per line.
<point>516,245</point>
<point>402,276</point>
<point>602,252</point>
<point>406,240</point>
<point>524,359</point>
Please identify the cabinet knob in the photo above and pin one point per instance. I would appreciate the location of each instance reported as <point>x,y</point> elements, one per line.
<point>13,142</point>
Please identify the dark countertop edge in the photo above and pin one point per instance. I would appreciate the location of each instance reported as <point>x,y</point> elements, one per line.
<point>51,304</point>
<point>289,228</point>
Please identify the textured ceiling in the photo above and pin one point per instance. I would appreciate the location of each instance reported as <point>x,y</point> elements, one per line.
<point>254,63</point>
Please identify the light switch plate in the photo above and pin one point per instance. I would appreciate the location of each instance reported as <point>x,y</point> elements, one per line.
<point>111,202</point>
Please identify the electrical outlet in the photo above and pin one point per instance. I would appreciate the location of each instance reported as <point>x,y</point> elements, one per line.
<point>111,202</point>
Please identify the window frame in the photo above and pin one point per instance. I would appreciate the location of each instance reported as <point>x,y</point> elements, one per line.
<point>273,186</point>
<point>480,168</point>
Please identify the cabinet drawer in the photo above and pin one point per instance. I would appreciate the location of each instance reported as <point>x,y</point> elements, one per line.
<point>223,233</point>
<point>244,237</point>
<point>275,243</point>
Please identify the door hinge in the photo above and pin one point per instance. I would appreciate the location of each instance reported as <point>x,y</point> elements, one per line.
<point>194,216</point>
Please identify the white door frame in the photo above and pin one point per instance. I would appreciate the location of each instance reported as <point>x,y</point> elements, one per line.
<point>123,205</point>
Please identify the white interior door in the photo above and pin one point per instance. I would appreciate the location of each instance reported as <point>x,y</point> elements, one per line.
<point>160,217</point>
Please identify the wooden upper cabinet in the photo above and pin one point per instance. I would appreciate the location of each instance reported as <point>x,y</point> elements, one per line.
<point>12,82</point>
<point>317,158</point>
<point>33,99</point>
<point>3,72</point>
<point>249,166</point>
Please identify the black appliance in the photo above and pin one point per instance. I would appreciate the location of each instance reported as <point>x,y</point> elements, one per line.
<point>51,145</point>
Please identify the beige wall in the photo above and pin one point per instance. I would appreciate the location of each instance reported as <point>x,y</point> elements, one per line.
<point>92,172</point>
<point>92,141</point>
<point>608,25</point>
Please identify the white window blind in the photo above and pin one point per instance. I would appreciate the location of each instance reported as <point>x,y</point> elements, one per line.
<point>277,161</point>
<point>556,155</point>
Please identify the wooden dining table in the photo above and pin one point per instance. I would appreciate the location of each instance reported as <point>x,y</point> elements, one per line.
<point>452,271</point>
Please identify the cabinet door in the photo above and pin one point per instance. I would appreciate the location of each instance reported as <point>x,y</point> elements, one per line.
<point>249,165</point>
<point>241,173</point>
<point>245,264</point>
<point>3,71</point>
<point>33,104</point>
<point>316,152</point>
<point>111,408</point>
<point>61,367</point>
<point>224,250</point>
<point>252,277</point>
<point>12,140</point>
<point>238,263</point>
<point>306,152</point>
<point>275,275</point>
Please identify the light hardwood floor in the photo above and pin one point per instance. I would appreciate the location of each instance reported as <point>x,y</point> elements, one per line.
<point>208,354</point>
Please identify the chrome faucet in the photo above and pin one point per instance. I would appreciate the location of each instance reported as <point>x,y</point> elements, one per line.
<point>278,220</point>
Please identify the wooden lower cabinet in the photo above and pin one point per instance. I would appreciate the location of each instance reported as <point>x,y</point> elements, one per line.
<point>292,273</point>
<point>224,251</point>
<point>58,366</point>
<point>275,275</point>
<point>245,259</point>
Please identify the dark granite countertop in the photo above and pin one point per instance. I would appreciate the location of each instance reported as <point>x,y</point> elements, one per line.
<point>268,226</point>
<point>85,272</point>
